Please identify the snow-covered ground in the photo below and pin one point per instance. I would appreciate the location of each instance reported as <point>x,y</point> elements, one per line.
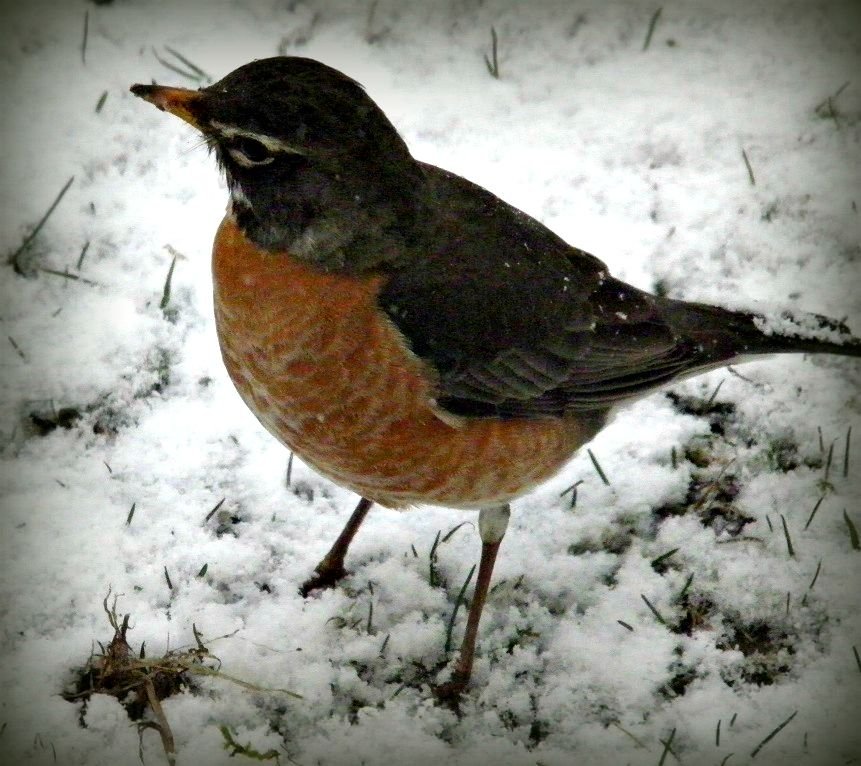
<point>111,401</point>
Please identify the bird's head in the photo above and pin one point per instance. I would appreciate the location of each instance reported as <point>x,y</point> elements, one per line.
<point>304,150</point>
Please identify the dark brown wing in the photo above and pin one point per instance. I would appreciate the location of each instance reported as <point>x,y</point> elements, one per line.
<point>518,323</point>
<point>627,350</point>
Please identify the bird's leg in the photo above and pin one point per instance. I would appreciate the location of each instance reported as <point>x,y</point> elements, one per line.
<point>331,566</point>
<point>492,523</point>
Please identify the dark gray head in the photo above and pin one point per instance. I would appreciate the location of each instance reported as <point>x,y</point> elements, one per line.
<point>313,165</point>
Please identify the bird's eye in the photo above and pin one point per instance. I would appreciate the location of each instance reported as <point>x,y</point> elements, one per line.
<point>249,152</point>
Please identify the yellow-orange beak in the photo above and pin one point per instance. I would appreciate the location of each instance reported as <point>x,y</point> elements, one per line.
<point>181,102</point>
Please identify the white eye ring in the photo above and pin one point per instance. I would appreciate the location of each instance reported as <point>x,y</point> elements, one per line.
<point>245,161</point>
<point>232,138</point>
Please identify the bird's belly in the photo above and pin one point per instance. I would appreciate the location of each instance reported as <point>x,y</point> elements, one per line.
<point>326,372</point>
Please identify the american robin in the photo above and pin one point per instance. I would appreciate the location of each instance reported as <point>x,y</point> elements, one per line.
<point>410,335</point>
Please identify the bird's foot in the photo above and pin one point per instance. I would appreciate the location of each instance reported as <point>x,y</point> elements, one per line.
<point>449,694</point>
<point>323,577</point>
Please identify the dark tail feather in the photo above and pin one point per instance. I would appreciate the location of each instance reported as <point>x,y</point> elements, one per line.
<point>722,335</point>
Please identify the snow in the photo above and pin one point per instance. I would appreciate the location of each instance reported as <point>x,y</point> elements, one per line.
<point>633,155</point>
<point>805,326</point>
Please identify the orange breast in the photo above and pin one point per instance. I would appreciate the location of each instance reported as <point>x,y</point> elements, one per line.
<point>326,372</point>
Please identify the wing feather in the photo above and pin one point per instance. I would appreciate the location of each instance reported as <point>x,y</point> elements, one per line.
<point>516,322</point>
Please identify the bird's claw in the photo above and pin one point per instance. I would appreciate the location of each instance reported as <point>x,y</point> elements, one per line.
<point>323,577</point>
<point>449,694</point>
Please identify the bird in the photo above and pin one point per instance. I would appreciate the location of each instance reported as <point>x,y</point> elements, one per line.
<point>411,336</point>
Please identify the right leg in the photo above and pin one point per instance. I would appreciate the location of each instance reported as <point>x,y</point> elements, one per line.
<point>331,567</point>
<point>492,523</point>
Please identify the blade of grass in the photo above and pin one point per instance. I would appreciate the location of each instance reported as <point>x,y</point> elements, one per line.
<point>432,556</point>
<point>825,108</point>
<point>815,575</point>
<point>840,89</point>
<point>828,461</point>
<point>573,490</point>
<point>853,532</point>
<point>374,32</point>
<point>162,726</point>
<point>460,600</point>
<point>191,65</point>
<point>653,22</point>
<point>624,731</point>
<point>493,62</point>
<point>663,557</point>
<point>654,611</point>
<point>667,747</point>
<point>203,670</point>
<point>711,399</point>
<point>786,535</point>
<point>813,512</point>
<point>13,259</point>
<point>448,535</point>
<point>289,476</point>
<point>174,68</point>
<point>67,275</point>
<point>17,348</point>
<point>771,736</point>
<point>749,168</point>
<point>165,295</point>
<point>214,510</point>
<point>86,36</point>
<point>598,467</point>
<point>82,255</point>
